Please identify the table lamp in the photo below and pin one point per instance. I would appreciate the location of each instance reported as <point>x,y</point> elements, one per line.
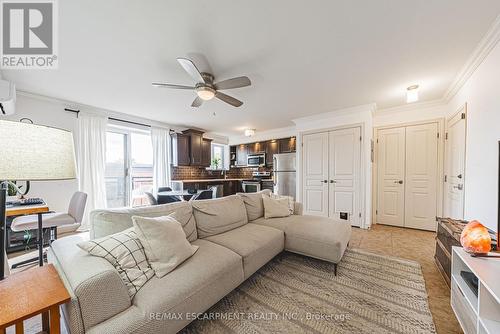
<point>35,153</point>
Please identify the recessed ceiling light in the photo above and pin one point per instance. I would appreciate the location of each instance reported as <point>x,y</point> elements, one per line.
<point>249,132</point>
<point>412,94</point>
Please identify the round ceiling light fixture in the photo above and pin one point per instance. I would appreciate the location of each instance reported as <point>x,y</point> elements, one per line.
<point>412,94</point>
<point>249,132</point>
<point>206,93</point>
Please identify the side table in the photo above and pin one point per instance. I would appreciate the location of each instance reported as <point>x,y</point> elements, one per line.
<point>26,294</point>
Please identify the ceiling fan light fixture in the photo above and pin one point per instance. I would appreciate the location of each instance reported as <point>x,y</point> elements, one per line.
<point>205,93</point>
<point>412,94</point>
<point>249,132</point>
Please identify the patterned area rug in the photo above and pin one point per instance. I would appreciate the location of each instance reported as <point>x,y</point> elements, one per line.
<point>298,294</point>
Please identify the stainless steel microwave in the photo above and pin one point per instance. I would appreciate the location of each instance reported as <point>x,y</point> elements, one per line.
<point>256,160</point>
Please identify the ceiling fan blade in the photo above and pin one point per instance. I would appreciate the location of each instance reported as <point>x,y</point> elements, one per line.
<point>191,68</point>
<point>197,102</point>
<point>233,83</point>
<point>228,99</point>
<point>166,85</point>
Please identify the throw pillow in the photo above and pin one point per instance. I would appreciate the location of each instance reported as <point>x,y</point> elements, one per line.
<point>126,253</point>
<point>164,242</point>
<point>291,201</point>
<point>275,208</point>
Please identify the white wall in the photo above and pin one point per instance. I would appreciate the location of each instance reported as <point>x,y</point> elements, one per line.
<point>361,115</point>
<point>410,113</point>
<point>481,92</point>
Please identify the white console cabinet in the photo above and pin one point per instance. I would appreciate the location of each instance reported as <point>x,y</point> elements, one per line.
<point>477,314</point>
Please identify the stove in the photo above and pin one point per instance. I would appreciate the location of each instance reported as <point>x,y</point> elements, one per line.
<point>255,184</point>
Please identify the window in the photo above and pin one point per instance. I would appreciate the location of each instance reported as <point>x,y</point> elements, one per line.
<point>129,166</point>
<point>218,156</point>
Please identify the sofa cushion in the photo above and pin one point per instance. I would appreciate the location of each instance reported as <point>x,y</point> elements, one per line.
<point>126,253</point>
<point>164,242</point>
<point>275,207</point>
<point>214,216</point>
<point>256,244</point>
<point>319,237</point>
<point>253,203</point>
<point>110,221</point>
<point>198,283</point>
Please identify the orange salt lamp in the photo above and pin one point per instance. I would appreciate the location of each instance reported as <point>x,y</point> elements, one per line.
<point>475,238</point>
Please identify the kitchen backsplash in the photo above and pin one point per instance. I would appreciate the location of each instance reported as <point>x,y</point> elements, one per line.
<point>194,173</point>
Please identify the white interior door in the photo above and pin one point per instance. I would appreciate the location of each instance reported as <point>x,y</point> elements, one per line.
<point>391,175</point>
<point>421,176</point>
<point>344,171</point>
<point>455,166</point>
<point>315,174</point>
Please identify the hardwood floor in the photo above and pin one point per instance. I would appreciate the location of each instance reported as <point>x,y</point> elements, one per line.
<point>418,246</point>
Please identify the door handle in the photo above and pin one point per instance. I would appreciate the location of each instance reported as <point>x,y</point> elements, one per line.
<point>400,181</point>
<point>333,181</point>
<point>459,187</point>
<point>325,181</point>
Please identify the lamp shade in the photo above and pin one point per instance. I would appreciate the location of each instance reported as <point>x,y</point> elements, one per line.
<point>30,152</point>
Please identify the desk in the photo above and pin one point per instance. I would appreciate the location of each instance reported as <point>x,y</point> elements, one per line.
<point>15,240</point>
<point>20,210</point>
<point>29,293</point>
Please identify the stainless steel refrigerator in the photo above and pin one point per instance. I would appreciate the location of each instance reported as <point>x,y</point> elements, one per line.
<point>284,174</point>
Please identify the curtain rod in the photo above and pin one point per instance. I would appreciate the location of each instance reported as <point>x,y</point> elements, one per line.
<point>111,118</point>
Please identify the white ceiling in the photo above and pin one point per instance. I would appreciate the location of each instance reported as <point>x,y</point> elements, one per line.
<point>303,57</point>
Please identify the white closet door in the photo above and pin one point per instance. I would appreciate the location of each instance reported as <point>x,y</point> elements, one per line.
<point>421,176</point>
<point>315,174</point>
<point>455,166</point>
<point>344,172</point>
<point>391,175</point>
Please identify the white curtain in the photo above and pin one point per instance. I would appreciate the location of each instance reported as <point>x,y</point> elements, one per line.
<point>92,162</point>
<point>160,138</point>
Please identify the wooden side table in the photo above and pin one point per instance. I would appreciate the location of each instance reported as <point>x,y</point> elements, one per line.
<point>26,294</point>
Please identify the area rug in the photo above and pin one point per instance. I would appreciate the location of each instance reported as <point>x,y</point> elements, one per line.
<point>298,294</point>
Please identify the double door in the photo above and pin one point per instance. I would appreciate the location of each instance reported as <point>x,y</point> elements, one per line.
<point>331,174</point>
<point>407,168</point>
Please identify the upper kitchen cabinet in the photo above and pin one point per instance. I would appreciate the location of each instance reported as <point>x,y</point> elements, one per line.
<point>189,148</point>
<point>241,155</point>
<point>195,146</point>
<point>256,148</point>
<point>272,148</point>
<point>287,145</point>
<point>206,152</point>
<point>180,150</point>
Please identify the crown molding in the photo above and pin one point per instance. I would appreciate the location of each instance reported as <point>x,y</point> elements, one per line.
<point>483,49</point>
<point>411,107</point>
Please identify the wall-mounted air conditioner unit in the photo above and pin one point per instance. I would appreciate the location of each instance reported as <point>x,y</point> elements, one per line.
<point>7,97</point>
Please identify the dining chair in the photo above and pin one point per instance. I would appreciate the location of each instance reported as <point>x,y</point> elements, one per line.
<point>164,199</point>
<point>206,194</point>
<point>152,200</point>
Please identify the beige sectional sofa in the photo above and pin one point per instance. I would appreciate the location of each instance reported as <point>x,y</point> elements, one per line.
<point>234,241</point>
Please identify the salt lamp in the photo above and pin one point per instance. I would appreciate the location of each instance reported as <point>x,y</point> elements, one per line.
<point>475,238</point>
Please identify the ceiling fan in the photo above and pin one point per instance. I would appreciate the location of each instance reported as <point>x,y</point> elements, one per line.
<point>205,87</point>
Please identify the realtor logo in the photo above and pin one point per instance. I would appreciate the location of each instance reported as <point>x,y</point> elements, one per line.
<point>29,39</point>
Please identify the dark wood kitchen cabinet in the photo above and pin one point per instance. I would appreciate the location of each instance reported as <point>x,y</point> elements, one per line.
<point>256,148</point>
<point>272,148</point>
<point>206,152</point>
<point>287,145</point>
<point>189,148</point>
<point>241,155</point>
<point>180,150</point>
<point>195,146</point>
